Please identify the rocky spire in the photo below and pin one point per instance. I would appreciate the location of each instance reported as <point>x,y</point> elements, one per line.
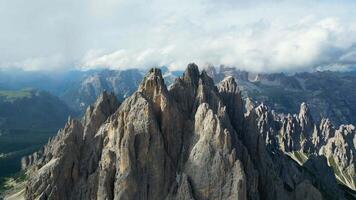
<point>326,129</point>
<point>95,115</point>
<point>189,142</point>
<point>191,75</point>
<point>153,81</point>
<point>231,96</point>
<point>305,118</point>
<point>309,134</point>
<point>166,112</point>
<point>69,157</point>
<point>184,90</point>
<point>228,84</point>
<point>154,89</point>
<point>205,79</point>
<point>249,105</point>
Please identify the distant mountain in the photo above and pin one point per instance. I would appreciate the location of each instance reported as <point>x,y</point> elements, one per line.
<point>84,92</point>
<point>27,119</point>
<point>54,82</point>
<point>330,94</point>
<point>76,88</point>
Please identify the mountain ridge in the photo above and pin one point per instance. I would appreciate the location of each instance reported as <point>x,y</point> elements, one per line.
<point>192,141</point>
<point>330,94</point>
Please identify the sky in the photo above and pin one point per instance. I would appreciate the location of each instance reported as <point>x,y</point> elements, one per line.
<point>255,35</point>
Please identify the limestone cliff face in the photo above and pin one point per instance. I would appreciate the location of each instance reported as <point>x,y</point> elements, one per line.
<point>70,159</point>
<point>191,141</point>
<point>340,152</point>
<point>300,137</point>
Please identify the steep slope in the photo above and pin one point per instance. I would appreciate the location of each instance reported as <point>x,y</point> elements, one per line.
<point>189,142</point>
<point>336,144</point>
<point>72,155</point>
<point>300,137</point>
<point>27,119</point>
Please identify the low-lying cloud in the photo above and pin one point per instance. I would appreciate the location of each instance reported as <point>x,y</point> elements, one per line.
<point>265,36</point>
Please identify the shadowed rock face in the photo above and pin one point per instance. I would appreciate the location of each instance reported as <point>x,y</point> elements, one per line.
<point>189,142</point>
<point>300,136</point>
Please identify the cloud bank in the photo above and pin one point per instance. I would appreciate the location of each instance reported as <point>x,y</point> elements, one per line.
<point>263,36</point>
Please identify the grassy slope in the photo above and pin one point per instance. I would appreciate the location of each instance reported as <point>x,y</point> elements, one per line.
<point>12,184</point>
<point>343,179</point>
<point>10,96</point>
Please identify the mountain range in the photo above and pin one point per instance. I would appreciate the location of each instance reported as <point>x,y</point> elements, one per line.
<point>193,140</point>
<point>330,94</point>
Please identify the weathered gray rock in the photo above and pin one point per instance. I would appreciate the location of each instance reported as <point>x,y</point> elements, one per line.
<point>68,158</point>
<point>340,152</point>
<point>189,142</point>
<point>299,137</point>
<point>231,96</point>
<point>330,94</point>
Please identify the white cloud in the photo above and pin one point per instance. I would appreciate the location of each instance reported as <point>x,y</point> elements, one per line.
<point>47,63</point>
<point>273,35</point>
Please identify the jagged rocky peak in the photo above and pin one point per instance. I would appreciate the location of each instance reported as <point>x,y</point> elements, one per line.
<point>189,142</point>
<point>78,130</point>
<point>154,77</point>
<point>153,83</point>
<point>95,115</point>
<point>261,109</point>
<point>249,106</point>
<point>193,89</point>
<point>327,130</point>
<point>305,116</point>
<point>191,74</point>
<point>105,105</point>
<point>206,79</point>
<point>229,84</point>
<point>154,89</point>
<point>70,157</point>
<point>231,96</point>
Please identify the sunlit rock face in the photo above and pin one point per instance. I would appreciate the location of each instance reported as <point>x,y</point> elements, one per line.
<point>192,141</point>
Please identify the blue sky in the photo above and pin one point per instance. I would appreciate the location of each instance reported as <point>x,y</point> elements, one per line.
<point>264,36</point>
